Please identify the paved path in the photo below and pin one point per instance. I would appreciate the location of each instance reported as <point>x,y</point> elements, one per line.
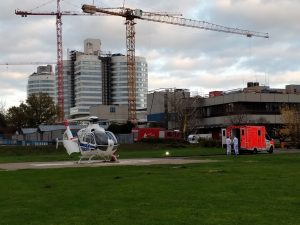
<point>98,163</point>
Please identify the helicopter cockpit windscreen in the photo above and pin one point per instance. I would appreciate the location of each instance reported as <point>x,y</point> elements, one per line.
<point>101,139</point>
<point>112,137</point>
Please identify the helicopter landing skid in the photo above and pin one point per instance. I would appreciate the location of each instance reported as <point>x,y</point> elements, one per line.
<point>112,159</point>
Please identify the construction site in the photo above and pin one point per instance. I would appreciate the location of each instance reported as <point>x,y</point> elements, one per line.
<point>131,17</point>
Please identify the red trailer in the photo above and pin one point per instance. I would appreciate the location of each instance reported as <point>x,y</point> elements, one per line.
<point>251,138</point>
<point>141,133</point>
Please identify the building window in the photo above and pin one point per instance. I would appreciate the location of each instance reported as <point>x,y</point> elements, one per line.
<point>112,109</point>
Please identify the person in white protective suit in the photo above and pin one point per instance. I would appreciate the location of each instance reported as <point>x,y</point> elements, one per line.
<point>236,145</point>
<point>228,144</point>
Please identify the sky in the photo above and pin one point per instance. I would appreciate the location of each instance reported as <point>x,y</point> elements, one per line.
<point>178,57</point>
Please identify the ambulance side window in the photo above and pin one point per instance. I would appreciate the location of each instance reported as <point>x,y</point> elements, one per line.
<point>259,133</point>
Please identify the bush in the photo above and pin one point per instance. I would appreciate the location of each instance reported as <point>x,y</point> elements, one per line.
<point>174,143</point>
<point>209,143</point>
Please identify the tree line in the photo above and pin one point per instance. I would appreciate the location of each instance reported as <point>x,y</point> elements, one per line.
<point>36,110</point>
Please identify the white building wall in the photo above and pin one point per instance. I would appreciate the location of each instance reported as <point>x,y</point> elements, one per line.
<point>42,83</point>
<point>120,81</point>
<point>88,84</point>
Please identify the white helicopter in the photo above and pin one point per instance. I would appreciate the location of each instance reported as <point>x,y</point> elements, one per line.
<point>91,141</point>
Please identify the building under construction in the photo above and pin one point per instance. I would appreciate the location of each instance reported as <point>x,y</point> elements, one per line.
<point>94,78</point>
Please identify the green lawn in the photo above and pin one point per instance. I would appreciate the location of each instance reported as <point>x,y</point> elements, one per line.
<point>250,189</point>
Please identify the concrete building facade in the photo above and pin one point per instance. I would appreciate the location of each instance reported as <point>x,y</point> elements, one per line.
<point>251,105</point>
<point>254,104</point>
<point>119,81</point>
<point>88,84</point>
<point>92,78</point>
<point>163,104</point>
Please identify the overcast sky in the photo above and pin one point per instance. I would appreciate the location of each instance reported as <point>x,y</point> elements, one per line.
<point>177,56</point>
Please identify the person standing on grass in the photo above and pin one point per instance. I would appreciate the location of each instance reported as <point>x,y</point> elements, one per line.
<point>236,145</point>
<point>228,144</point>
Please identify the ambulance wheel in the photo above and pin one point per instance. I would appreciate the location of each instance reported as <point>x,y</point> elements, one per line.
<point>254,151</point>
<point>270,150</point>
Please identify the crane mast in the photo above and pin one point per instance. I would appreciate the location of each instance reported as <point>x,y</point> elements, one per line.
<point>130,44</point>
<point>164,17</point>
<point>60,67</point>
<point>58,13</point>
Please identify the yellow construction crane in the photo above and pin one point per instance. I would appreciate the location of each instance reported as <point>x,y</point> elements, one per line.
<point>131,14</point>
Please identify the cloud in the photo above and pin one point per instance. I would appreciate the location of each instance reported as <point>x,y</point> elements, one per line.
<point>177,56</point>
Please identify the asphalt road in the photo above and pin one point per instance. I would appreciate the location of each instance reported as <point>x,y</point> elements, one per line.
<point>121,162</point>
<point>99,163</point>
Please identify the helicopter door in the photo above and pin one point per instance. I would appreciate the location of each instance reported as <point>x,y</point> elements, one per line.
<point>89,142</point>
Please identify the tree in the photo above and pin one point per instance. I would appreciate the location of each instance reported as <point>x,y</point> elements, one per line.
<point>39,109</point>
<point>17,117</point>
<point>3,122</point>
<point>183,110</point>
<point>290,118</point>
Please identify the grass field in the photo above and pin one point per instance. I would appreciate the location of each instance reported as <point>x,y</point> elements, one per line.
<point>249,189</point>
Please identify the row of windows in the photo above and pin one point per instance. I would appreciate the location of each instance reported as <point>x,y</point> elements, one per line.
<point>126,89</point>
<point>88,73</point>
<point>88,84</point>
<point>87,94</point>
<point>86,105</point>
<point>115,74</point>
<point>119,95</point>
<point>88,67</point>
<point>125,69</point>
<point>88,62</point>
<point>268,108</point>
<point>88,89</point>
<point>90,100</point>
<point>79,78</point>
<point>125,84</point>
<point>41,86</point>
<point>40,81</point>
<point>125,79</point>
<point>125,63</point>
<point>41,90</point>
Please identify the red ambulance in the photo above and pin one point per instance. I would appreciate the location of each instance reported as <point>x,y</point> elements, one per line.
<point>251,138</point>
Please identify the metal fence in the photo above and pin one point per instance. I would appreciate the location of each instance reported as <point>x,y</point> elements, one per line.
<point>124,138</point>
<point>23,143</point>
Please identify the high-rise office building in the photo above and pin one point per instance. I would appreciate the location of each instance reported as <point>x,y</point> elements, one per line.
<point>119,81</point>
<point>93,78</point>
<point>88,84</point>
<point>42,81</point>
